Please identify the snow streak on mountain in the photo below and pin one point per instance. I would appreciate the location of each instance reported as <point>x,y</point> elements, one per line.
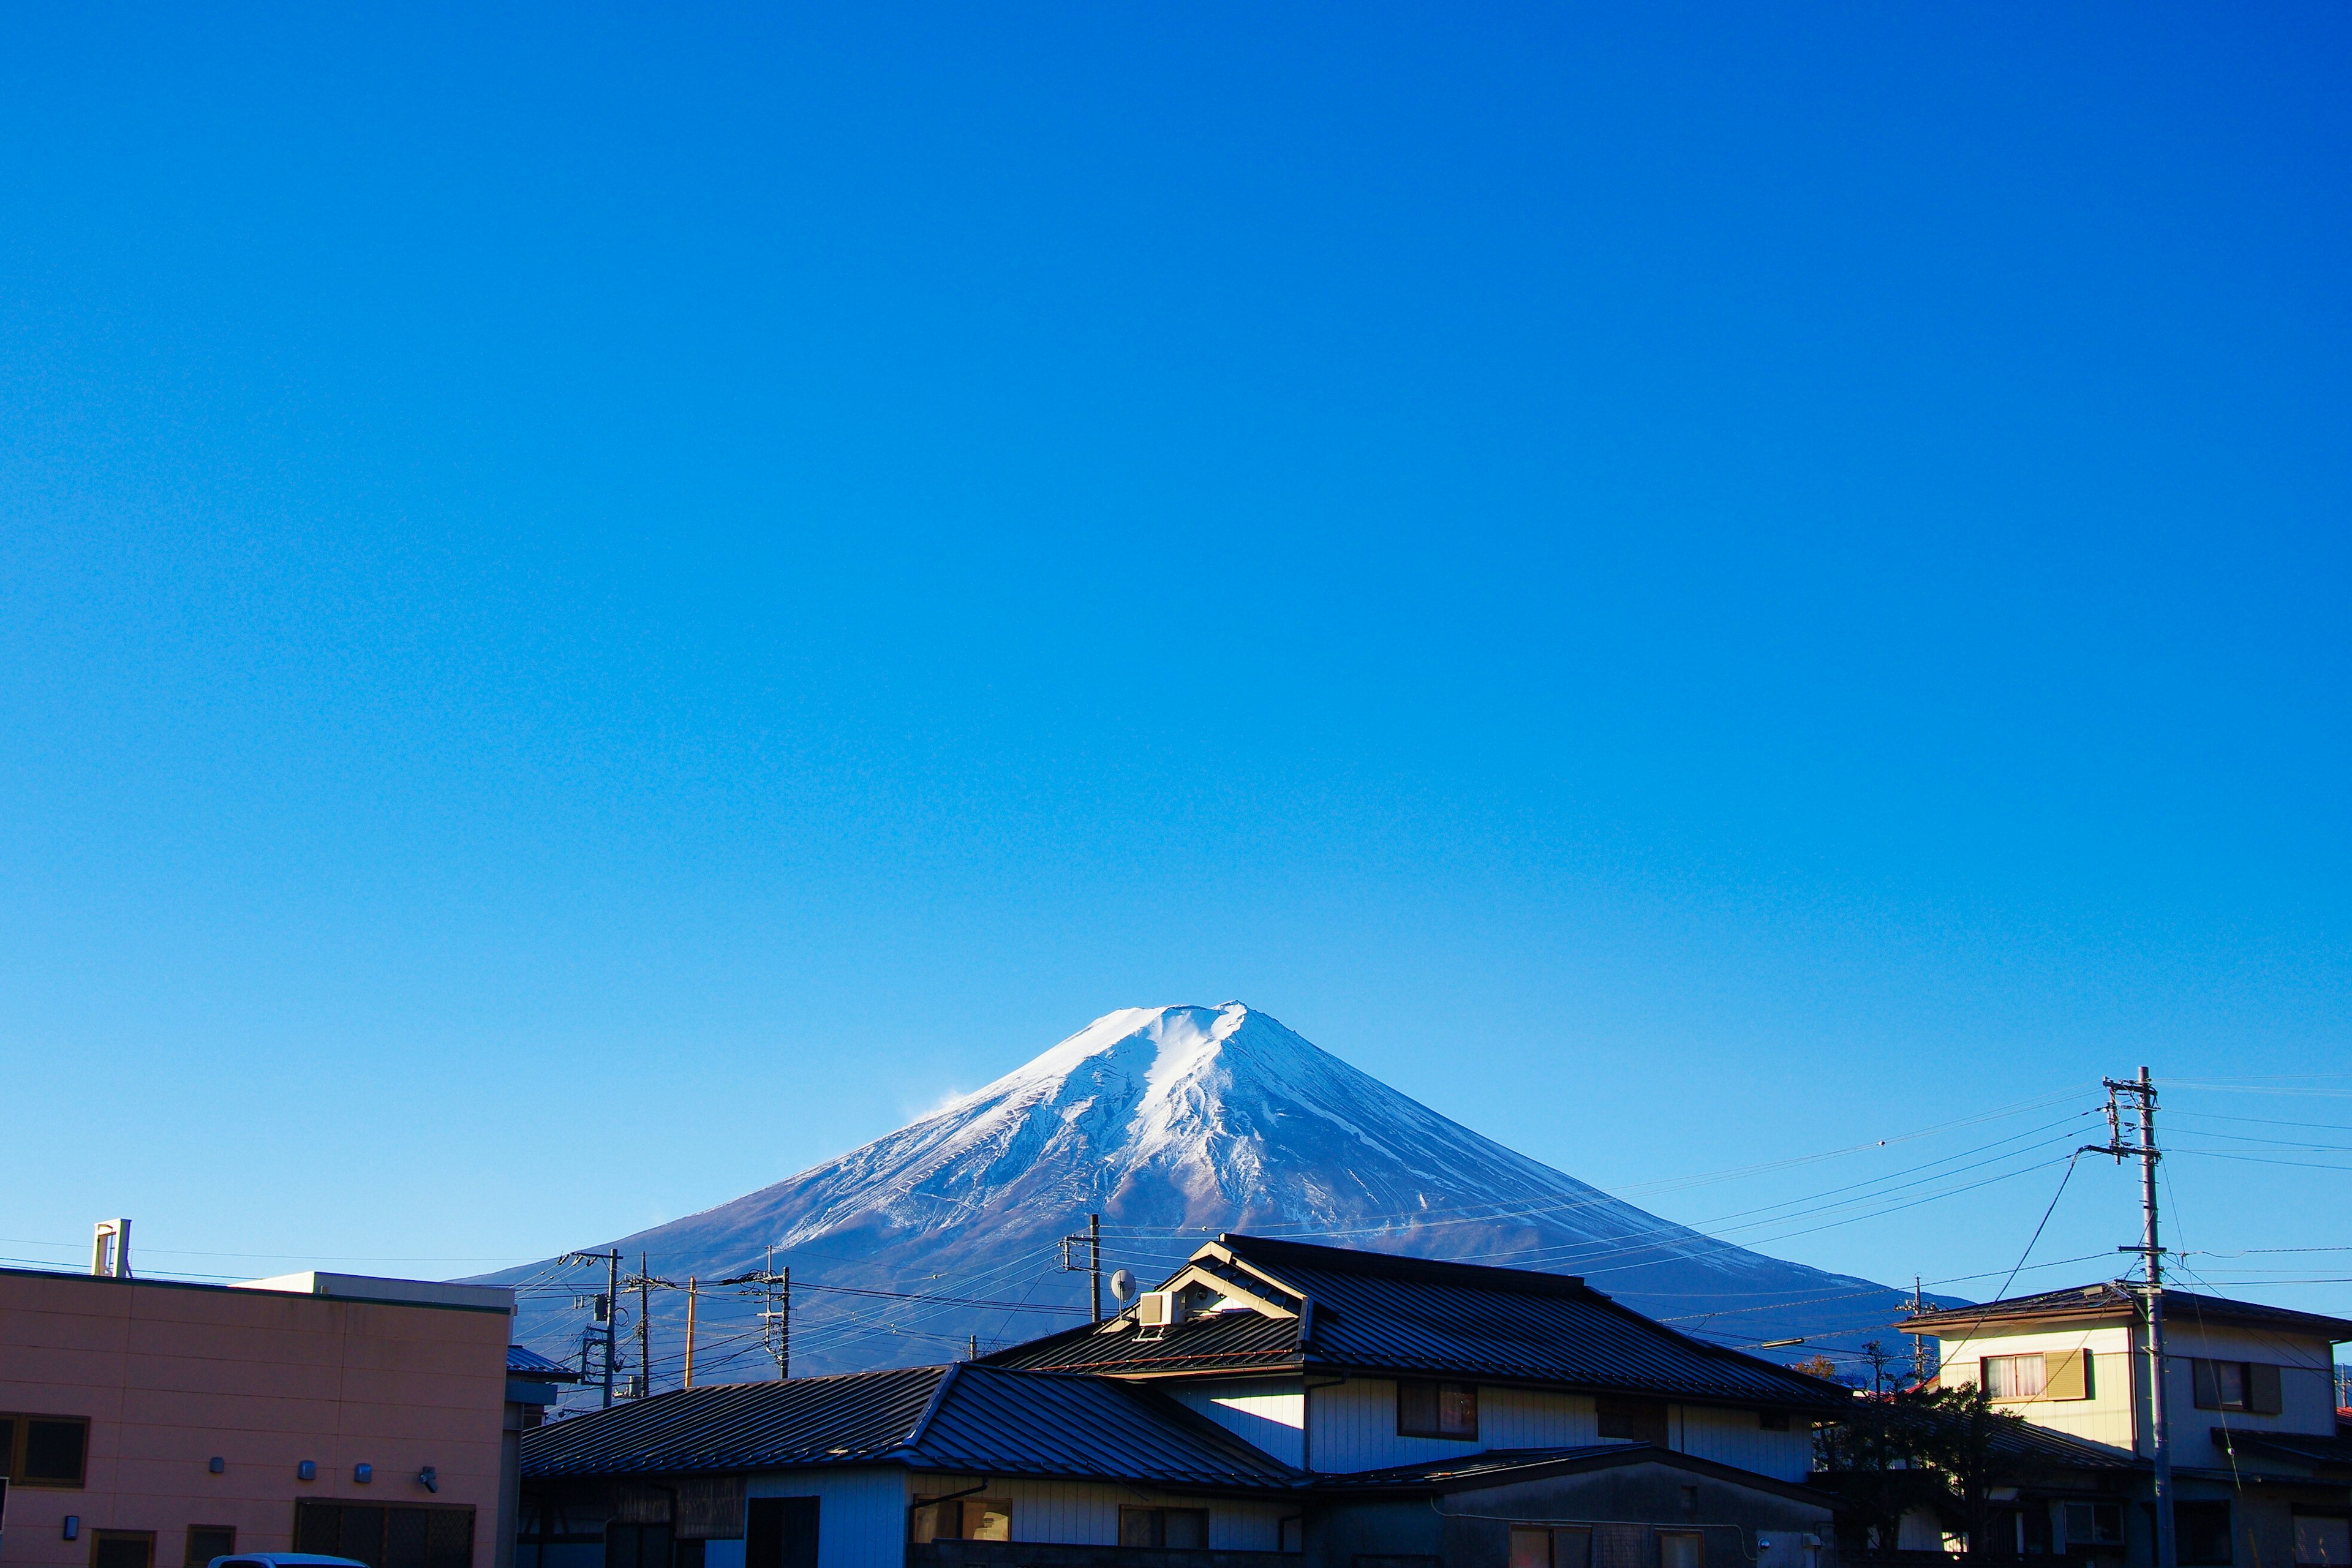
<point>1172,1123</point>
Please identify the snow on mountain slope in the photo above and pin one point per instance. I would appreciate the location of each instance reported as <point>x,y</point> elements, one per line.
<point>1172,1123</point>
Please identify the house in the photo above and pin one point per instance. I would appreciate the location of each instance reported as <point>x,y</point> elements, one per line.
<point>1271,1405</point>
<point>2262,1477</point>
<point>146,1422</point>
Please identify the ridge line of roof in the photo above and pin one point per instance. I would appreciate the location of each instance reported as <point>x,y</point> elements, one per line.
<point>1392,1265</point>
<point>914,1438</point>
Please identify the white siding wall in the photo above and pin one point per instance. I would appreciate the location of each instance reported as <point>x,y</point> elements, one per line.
<point>1085,1513</point>
<point>1734,1438</point>
<point>861,1518</point>
<point>1352,1426</point>
<point>1268,1413</point>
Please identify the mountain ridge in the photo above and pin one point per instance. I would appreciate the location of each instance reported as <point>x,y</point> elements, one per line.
<point>1173,1123</point>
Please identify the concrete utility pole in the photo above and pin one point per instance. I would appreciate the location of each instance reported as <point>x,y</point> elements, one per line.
<point>645,1383</point>
<point>776,1318</point>
<point>691,1293</point>
<point>2142,1091</point>
<point>604,1304</point>
<point>1092,1267</point>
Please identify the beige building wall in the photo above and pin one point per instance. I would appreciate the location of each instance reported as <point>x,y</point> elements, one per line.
<point>2119,1381</point>
<point>2106,1417</point>
<point>172,1376</point>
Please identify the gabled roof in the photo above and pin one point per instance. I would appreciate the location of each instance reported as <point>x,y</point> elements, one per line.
<point>964,1419</point>
<point>2116,1299</point>
<point>1374,1312</point>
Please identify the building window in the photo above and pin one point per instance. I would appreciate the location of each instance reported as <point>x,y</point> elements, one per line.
<point>1530,1548</point>
<point>386,1536</point>
<point>123,1549</point>
<point>1772,1420</point>
<point>1681,1549</point>
<point>2323,1541</point>
<point>964,1518</point>
<point>2250,1387</point>
<point>637,1545</point>
<point>206,1542</point>
<point>1633,1420</point>
<point>1437,1410</point>
<point>2094,1525</point>
<point>2015,1376</point>
<point>780,1531</point>
<point>2200,1533</point>
<point>44,1450</point>
<point>1542,1546</point>
<point>1185,1529</point>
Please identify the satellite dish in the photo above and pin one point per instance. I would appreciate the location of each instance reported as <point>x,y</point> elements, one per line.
<point>1122,1285</point>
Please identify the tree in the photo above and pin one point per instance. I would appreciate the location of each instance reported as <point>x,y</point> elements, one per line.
<point>1971,1444</point>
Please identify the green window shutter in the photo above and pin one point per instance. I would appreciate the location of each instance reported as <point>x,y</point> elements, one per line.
<point>2263,1396</point>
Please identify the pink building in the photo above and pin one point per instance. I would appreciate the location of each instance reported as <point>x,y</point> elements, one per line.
<point>147,1424</point>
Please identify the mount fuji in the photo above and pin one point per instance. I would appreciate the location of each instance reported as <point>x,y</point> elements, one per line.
<point>1172,1123</point>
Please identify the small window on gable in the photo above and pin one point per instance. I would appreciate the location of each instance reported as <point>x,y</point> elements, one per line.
<point>1426,1409</point>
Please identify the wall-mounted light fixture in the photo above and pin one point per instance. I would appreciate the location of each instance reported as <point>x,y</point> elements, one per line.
<point>363,1474</point>
<point>308,1470</point>
<point>73,1527</point>
<point>429,1478</point>
<point>217,1464</point>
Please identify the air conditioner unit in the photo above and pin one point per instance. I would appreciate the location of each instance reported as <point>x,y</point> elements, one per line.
<point>1159,1308</point>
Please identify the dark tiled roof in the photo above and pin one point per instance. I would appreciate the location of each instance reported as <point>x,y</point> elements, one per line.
<point>2322,1453</point>
<point>1379,1312</point>
<point>743,1426</point>
<point>2115,1299</point>
<point>1217,1342</point>
<point>1003,1422</point>
<point>524,1362</point>
<point>989,1420</point>
<point>1376,1312</point>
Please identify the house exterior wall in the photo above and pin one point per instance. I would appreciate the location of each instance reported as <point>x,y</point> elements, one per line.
<point>1267,1413</point>
<point>1742,1527</point>
<point>2306,1385</point>
<point>861,1515</point>
<point>1352,1427</point>
<point>171,1376</point>
<point>1733,1436</point>
<point>1085,1513</point>
<point>2119,1381</point>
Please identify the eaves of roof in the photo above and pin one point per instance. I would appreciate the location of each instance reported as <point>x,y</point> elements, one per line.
<point>1506,1466</point>
<point>2116,1302</point>
<point>2321,1452</point>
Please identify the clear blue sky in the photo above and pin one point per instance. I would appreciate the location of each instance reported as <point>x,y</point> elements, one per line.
<point>600,605</point>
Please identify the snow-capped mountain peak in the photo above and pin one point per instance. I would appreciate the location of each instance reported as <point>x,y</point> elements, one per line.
<point>1173,1123</point>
